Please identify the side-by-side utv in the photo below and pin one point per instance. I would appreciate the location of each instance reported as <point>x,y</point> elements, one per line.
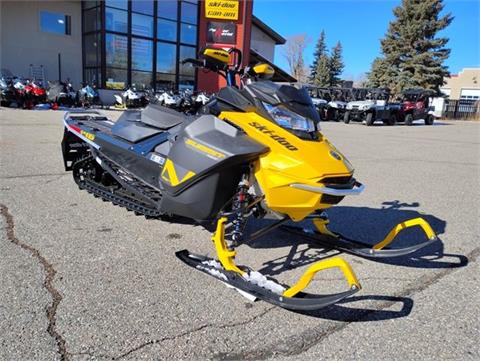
<point>416,105</point>
<point>374,107</point>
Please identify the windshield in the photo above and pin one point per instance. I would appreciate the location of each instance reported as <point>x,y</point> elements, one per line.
<point>289,107</point>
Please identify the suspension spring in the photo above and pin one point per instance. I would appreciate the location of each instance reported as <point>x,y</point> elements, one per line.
<point>239,208</point>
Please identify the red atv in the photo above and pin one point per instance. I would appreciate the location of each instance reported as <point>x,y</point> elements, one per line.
<point>416,105</point>
<point>34,94</point>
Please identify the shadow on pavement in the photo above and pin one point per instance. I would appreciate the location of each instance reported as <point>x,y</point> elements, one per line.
<point>367,225</point>
<point>338,312</point>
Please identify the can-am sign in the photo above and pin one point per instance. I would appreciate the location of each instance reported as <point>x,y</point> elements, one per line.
<point>224,33</point>
<point>225,9</point>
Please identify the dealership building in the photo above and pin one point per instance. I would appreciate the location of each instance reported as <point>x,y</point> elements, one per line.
<point>117,43</point>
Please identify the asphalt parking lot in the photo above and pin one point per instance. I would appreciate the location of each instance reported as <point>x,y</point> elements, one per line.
<point>84,280</point>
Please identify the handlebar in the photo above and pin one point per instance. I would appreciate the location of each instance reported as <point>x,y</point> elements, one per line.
<point>194,62</point>
<point>228,71</point>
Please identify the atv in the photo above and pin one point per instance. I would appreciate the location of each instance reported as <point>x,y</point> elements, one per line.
<point>416,105</point>
<point>374,107</point>
<point>257,151</point>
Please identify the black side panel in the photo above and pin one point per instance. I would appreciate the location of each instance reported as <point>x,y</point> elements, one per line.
<point>216,153</point>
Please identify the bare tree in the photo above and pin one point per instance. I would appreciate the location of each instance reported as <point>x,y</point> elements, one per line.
<point>293,53</point>
<point>360,81</point>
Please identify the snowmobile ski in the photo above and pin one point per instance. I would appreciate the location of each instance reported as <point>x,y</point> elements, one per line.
<point>323,236</point>
<point>259,286</point>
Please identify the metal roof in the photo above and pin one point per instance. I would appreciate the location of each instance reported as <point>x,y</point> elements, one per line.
<point>279,40</point>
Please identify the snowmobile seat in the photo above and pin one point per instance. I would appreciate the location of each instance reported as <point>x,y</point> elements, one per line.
<point>160,117</point>
<point>135,126</point>
<point>131,129</point>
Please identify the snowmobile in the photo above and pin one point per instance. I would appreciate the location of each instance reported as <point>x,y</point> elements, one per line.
<point>130,98</point>
<point>171,100</point>
<point>257,152</point>
<point>61,94</point>
<point>34,94</point>
<point>7,95</point>
<point>88,96</point>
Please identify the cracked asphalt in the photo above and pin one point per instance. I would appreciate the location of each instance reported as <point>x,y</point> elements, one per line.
<point>84,280</point>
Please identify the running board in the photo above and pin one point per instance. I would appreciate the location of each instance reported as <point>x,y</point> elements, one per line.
<point>334,240</point>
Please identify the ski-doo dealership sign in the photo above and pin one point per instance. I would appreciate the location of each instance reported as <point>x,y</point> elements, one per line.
<point>224,9</point>
<point>224,33</point>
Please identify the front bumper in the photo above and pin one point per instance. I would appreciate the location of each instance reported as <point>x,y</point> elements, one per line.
<point>331,190</point>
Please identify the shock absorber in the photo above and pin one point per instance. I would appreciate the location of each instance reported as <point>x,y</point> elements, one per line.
<point>239,209</point>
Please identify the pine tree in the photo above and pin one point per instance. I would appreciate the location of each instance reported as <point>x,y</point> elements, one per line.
<point>336,65</point>
<point>412,54</point>
<point>378,73</point>
<point>322,72</point>
<point>320,49</point>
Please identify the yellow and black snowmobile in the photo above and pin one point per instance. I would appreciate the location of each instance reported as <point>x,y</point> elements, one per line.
<point>255,152</point>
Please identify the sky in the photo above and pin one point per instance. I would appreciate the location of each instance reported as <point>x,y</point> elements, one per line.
<point>359,26</point>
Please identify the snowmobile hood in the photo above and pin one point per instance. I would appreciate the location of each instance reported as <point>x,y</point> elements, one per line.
<point>293,161</point>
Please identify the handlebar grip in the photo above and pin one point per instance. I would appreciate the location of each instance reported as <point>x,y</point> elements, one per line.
<point>195,62</point>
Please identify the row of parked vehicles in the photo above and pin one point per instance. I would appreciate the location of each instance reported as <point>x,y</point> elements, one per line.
<point>370,105</point>
<point>185,101</point>
<point>28,94</point>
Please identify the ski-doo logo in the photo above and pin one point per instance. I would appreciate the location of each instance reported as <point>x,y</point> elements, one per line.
<point>272,134</point>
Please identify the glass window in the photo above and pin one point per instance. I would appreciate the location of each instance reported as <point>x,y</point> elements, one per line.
<point>89,4</point>
<point>141,80</point>
<point>93,77</point>
<point>55,23</point>
<point>142,25</point>
<point>116,20</point>
<point>116,78</point>
<point>143,6</point>
<point>116,50</point>
<point>189,13</point>
<point>120,4</point>
<point>167,9</point>
<point>165,82</point>
<point>188,34</point>
<point>92,50</point>
<point>166,58</point>
<point>187,52</point>
<point>167,30</point>
<point>91,20</point>
<point>186,82</point>
<point>142,54</point>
